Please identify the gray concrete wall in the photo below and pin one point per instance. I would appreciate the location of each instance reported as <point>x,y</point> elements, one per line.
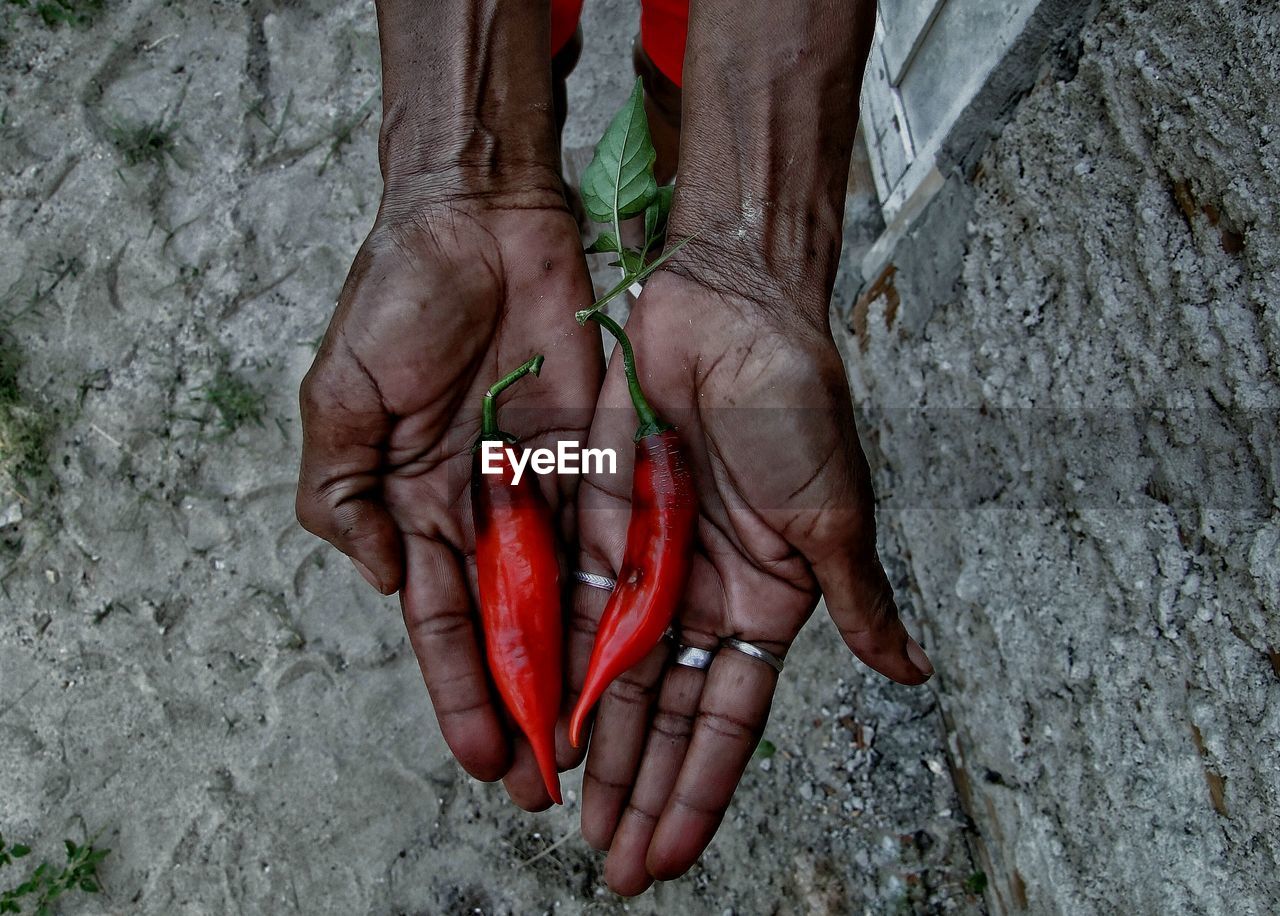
<point>1101,586</point>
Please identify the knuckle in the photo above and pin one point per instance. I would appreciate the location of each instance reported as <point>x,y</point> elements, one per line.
<point>443,625</point>
<point>310,513</point>
<point>630,691</point>
<point>872,618</point>
<point>673,725</point>
<point>728,727</point>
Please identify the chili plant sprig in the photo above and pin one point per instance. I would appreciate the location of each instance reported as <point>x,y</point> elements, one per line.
<point>658,554</point>
<point>620,184</point>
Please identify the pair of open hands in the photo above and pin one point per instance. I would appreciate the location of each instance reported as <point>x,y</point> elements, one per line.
<point>445,297</point>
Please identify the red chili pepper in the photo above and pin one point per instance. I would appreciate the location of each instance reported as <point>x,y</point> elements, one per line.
<point>659,551</point>
<point>518,575</point>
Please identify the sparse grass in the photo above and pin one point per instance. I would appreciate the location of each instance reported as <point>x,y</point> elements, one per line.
<point>344,130</point>
<point>259,113</point>
<point>235,400</point>
<point>24,429</point>
<point>152,141</point>
<point>62,12</point>
<point>14,307</point>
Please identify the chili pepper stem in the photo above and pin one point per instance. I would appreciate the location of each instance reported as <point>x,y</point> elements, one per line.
<point>489,419</point>
<point>649,421</point>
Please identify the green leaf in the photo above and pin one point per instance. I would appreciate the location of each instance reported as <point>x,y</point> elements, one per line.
<point>20,850</point>
<point>619,181</point>
<point>71,848</point>
<point>97,855</point>
<point>604,244</point>
<point>88,886</point>
<point>655,216</point>
<point>766,749</point>
<point>632,262</point>
<point>976,883</point>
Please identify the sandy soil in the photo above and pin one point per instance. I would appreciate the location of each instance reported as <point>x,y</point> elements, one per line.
<point>183,668</point>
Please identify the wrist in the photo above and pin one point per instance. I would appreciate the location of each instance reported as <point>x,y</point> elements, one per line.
<point>769,118</point>
<point>778,261</point>
<point>743,299</point>
<point>467,102</point>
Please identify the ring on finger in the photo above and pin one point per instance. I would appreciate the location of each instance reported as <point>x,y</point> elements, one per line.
<point>694,657</point>
<point>594,580</point>
<point>751,649</point>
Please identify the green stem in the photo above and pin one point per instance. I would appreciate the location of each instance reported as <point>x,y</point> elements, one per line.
<point>649,420</point>
<point>617,234</point>
<point>489,422</point>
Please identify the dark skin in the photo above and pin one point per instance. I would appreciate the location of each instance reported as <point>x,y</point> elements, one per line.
<point>786,508</point>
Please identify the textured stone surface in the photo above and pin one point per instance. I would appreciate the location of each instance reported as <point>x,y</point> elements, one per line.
<point>184,669</point>
<point>1101,587</point>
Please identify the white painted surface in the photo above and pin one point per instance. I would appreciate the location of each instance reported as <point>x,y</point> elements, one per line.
<point>929,60</point>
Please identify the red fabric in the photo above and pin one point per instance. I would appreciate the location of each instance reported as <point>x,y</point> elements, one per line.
<point>564,22</point>
<point>664,26</point>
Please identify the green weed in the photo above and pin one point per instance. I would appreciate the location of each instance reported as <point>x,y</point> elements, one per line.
<point>24,430</point>
<point>47,883</point>
<point>152,141</point>
<point>62,12</point>
<point>235,400</point>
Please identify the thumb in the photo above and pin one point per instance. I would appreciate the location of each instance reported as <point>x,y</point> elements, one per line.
<point>340,483</point>
<point>860,601</point>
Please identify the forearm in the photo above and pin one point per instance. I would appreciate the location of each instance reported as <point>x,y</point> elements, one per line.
<point>770,110</point>
<point>466,107</point>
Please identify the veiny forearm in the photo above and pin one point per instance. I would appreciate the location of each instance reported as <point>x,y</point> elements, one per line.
<point>770,109</point>
<point>467,99</point>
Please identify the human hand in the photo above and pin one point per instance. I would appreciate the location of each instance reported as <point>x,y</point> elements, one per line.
<point>762,406</point>
<point>444,297</point>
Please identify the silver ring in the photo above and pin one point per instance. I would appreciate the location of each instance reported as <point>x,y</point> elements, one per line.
<point>754,651</point>
<point>591,579</point>
<point>693,657</point>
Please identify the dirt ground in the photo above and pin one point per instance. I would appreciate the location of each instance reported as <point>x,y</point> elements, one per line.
<point>185,670</point>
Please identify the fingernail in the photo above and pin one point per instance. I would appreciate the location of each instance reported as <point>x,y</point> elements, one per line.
<point>367,573</point>
<point>918,658</point>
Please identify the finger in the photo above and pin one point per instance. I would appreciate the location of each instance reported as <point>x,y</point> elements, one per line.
<point>731,717</point>
<point>523,781</point>
<point>344,427</point>
<point>618,738</point>
<point>437,613</point>
<point>860,601</point>
<point>622,724</point>
<point>625,870</point>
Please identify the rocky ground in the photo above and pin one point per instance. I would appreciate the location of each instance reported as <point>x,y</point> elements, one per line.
<point>183,671</point>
